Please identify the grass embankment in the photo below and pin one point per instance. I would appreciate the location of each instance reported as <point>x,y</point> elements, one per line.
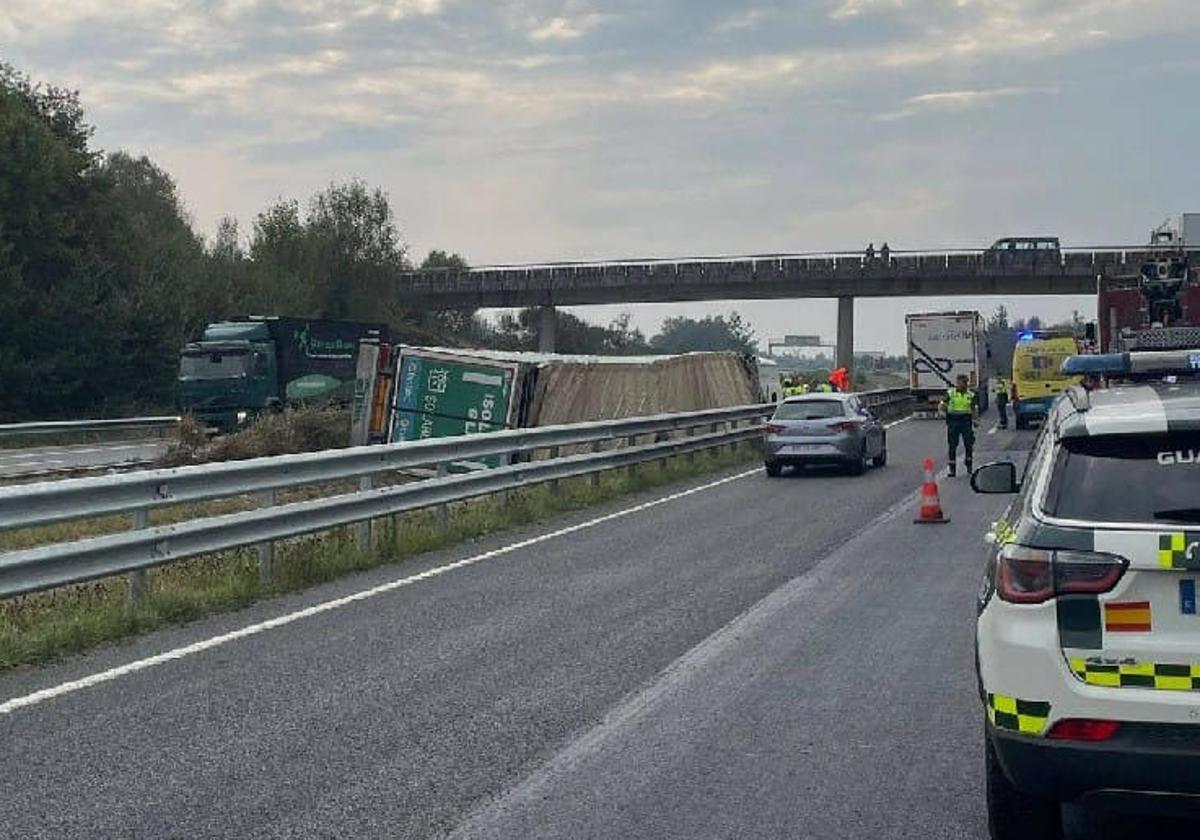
<point>43,626</point>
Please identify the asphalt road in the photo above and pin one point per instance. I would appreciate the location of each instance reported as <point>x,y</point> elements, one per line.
<point>18,463</point>
<point>756,658</point>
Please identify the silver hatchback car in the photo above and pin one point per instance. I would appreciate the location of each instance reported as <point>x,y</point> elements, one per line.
<point>824,429</point>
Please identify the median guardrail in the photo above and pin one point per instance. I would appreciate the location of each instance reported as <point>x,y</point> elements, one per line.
<point>611,444</point>
<point>65,427</point>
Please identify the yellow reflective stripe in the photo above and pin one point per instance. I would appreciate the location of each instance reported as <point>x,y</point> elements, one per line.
<point>1006,704</point>
<point>1173,683</point>
<point>1109,680</point>
<point>1141,669</point>
<point>1031,725</point>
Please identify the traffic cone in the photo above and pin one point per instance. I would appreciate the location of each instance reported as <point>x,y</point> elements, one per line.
<point>930,511</point>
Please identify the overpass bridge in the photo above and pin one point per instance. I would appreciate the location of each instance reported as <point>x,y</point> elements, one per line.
<point>844,276</point>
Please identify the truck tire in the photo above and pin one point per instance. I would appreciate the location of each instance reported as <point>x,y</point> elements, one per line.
<point>773,470</point>
<point>1013,815</point>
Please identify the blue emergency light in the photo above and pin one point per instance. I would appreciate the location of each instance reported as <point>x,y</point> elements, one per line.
<point>1149,362</point>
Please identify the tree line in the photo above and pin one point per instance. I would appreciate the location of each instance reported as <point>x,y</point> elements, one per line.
<point>103,277</point>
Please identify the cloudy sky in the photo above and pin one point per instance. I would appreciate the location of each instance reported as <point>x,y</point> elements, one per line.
<point>522,130</point>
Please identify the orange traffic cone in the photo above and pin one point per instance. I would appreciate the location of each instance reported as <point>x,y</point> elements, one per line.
<point>931,504</point>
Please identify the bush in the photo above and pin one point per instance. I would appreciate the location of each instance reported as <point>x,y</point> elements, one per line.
<point>291,430</point>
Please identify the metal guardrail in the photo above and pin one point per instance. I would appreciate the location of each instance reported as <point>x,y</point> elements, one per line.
<point>126,424</point>
<point>145,546</point>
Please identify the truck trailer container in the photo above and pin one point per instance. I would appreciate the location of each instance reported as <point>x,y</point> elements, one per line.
<point>941,347</point>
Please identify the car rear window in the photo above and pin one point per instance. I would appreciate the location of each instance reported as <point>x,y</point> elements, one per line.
<point>1122,478</point>
<point>810,410</point>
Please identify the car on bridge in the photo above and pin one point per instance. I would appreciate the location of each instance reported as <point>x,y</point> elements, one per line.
<point>1088,630</point>
<point>824,428</point>
<point>1023,250</point>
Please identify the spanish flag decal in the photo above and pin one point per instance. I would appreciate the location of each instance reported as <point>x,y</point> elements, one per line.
<point>1127,617</point>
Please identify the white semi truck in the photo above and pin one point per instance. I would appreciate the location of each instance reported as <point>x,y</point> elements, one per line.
<point>941,347</point>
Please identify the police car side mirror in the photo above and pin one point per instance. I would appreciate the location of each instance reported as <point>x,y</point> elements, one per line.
<point>997,477</point>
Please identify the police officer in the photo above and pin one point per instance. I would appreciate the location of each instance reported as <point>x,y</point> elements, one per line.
<point>1002,400</point>
<point>959,407</point>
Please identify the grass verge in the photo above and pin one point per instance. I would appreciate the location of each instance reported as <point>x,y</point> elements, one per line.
<point>43,626</point>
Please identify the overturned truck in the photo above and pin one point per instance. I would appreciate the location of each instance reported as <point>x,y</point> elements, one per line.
<point>411,393</point>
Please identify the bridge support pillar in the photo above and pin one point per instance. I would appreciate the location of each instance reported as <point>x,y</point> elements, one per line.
<point>546,329</point>
<point>845,334</point>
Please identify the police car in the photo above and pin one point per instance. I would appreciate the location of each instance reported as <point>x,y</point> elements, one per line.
<point>1088,636</point>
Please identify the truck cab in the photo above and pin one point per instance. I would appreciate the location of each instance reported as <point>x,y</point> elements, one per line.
<point>230,374</point>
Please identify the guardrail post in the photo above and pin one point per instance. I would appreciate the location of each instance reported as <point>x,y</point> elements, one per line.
<point>595,478</point>
<point>365,482</point>
<point>733,424</point>
<point>631,470</point>
<point>506,459</point>
<point>442,515</point>
<point>553,454</point>
<point>137,580</point>
<point>691,456</point>
<point>265,550</point>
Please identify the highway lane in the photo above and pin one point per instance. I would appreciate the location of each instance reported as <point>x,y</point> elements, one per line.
<point>17,463</point>
<point>406,714</point>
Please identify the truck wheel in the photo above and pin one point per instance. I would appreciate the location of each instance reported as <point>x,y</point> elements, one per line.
<point>1020,423</point>
<point>773,470</point>
<point>1013,815</point>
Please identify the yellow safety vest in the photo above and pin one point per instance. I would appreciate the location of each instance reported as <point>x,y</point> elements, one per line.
<point>959,402</point>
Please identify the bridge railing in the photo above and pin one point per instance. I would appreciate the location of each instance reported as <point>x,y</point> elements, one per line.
<point>68,427</point>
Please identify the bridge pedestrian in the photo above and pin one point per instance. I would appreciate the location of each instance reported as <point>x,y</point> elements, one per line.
<point>870,252</point>
<point>961,416</point>
<point>885,254</point>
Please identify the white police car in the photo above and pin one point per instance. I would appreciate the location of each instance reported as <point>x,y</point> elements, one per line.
<point>1088,636</point>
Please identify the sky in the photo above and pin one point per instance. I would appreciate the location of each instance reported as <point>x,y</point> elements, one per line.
<point>537,130</point>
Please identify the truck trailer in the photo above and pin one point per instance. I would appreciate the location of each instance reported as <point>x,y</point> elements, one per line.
<point>248,365</point>
<point>941,347</point>
<point>414,393</point>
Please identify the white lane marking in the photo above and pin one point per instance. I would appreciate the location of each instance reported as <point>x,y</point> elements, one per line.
<point>895,423</point>
<point>254,629</point>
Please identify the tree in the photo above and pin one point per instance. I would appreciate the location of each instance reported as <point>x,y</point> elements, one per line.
<point>713,332</point>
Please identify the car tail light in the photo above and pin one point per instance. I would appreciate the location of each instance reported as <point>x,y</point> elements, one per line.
<point>1083,729</point>
<point>1033,575</point>
<point>844,426</point>
<point>774,429</point>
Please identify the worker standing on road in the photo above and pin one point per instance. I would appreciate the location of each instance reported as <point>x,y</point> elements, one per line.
<point>1002,401</point>
<point>961,415</point>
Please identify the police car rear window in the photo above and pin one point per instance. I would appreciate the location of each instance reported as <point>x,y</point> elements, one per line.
<point>1123,478</point>
<point>810,410</point>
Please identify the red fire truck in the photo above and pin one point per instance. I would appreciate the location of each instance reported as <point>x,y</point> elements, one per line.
<point>1159,307</point>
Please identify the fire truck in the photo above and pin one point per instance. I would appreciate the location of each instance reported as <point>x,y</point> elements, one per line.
<point>1159,307</point>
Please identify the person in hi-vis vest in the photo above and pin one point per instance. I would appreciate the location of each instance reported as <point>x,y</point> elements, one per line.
<point>961,414</point>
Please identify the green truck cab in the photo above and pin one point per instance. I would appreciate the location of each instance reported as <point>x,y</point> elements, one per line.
<point>245,366</point>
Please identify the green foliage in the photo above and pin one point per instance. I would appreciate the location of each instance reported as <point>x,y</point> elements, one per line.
<point>713,332</point>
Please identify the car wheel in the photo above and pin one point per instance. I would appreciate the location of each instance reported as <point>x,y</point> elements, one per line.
<point>859,465</point>
<point>773,470</point>
<point>1020,423</point>
<point>880,460</point>
<point>1013,815</point>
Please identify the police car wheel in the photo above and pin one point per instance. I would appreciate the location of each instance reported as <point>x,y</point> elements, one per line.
<point>880,460</point>
<point>773,470</point>
<point>1013,815</point>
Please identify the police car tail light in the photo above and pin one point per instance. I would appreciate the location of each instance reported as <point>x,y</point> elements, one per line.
<point>775,429</point>
<point>1087,572</point>
<point>1083,729</point>
<point>1025,575</point>
<point>844,426</point>
<point>1033,575</point>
